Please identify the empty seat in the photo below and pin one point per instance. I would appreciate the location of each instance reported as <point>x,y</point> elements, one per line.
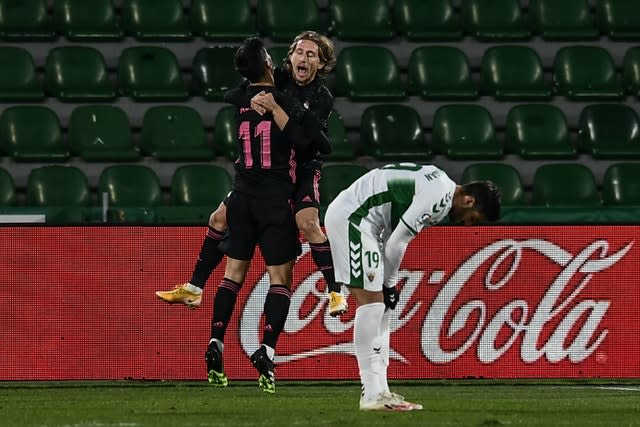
<point>513,72</point>
<point>174,133</point>
<point>336,178</point>
<point>83,20</point>
<point>565,185</point>
<point>225,137</point>
<point>619,19</point>
<point>282,20</point>
<point>465,132</point>
<point>25,20</point>
<point>341,148</point>
<point>393,132</point>
<point>77,73</point>
<point>155,19</point>
<point>361,20</point>
<point>421,20</point>
<point>538,131</point>
<point>440,72</point>
<point>222,19</point>
<point>32,134</point>
<point>130,185</point>
<point>368,73</point>
<point>585,72</point>
<point>214,73</point>
<point>18,81</point>
<point>200,185</point>
<point>57,186</point>
<point>7,189</point>
<point>608,131</point>
<point>621,185</point>
<point>101,133</point>
<point>150,73</point>
<point>494,19</point>
<point>505,176</point>
<point>562,20</point>
<point>631,71</point>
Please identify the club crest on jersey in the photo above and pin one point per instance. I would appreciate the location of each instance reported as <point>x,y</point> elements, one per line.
<point>371,275</point>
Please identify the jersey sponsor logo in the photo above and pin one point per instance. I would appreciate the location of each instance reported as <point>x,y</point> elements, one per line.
<point>433,175</point>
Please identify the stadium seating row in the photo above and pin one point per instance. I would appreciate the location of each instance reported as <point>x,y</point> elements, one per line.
<point>388,132</point>
<point>356,20</point>
<point>196,189</point>
<point>363,73</point>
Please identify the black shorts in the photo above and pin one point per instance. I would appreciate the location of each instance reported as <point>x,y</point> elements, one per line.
<point>307,193</point>
<point>265,222</point>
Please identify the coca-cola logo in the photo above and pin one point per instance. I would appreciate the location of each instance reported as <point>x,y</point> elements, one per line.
<point>575,320</point>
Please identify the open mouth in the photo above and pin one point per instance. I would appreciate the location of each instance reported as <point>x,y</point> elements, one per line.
<point>302,71</point>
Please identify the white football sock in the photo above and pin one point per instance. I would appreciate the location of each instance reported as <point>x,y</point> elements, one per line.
<point>385,336</point>
<point>366,331</point>
<point>193,288</point>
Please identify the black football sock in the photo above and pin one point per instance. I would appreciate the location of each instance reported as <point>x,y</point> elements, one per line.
<point>223,304</point>
<point>276,309</point>
<point>321,254</point>
<point>208,258</point>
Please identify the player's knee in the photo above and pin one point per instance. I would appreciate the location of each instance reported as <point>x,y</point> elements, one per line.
<point>310,227</point>
<point>218,219</point>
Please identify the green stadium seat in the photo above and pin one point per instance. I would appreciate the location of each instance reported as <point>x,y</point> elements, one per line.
<point>506,177</point>
<point>278,54</point>
<point>61,191</point>
<point>565,185</point>
<point>57,186</point>
<point>619,19</point>
<point>225,137</point>
<point>368,73</point>
<point>101,133</point>
<point>336,178</point>
<point>425,20</point>
<point>538,131</point>
<point>7,189</point>
<point>222,20</point>
<point>32,134</point>
<point>513,72</point>
<point>465,131</point>
<point>440,72</point>
<point>25,20</point>
<point>18,81</point>
<point>562,20</point>
<point>133,191</point>
<point>585,72</point>
<point>341,148</point>
<point>609,131</point>
<point>214,73</point>
<point>282,20</point>
<point>150,73</point>
<point>631,71</point>
<point>494,20</point>
<point>175,133</point>
<point>200,185</point>
<point>84,20</point>
<point>621,185</point>
<point>77,73</point>
<point>361,20</point>
<point>393,132</point>
<point>155,19</point>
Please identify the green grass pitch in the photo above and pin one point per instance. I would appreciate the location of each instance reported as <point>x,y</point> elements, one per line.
<point>447,403</point>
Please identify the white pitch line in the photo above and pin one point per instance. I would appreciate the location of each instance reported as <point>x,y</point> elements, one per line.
<point>620,388</point>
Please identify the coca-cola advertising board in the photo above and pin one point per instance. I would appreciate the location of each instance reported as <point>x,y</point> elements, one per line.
<point>475,302</point>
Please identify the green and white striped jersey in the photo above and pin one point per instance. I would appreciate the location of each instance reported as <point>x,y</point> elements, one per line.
<point>416,195</point>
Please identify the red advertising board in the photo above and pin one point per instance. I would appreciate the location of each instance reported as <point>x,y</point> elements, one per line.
<point>491,302</point>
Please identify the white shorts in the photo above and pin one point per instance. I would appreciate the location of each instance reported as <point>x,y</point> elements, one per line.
<point>356,251</point>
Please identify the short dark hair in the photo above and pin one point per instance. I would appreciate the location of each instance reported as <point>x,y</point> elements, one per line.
<point>250,59</point>
<point>487,198</point>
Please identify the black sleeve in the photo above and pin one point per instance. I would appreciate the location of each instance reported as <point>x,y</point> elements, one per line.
<point>293,130</point>
<point>316,121</point>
